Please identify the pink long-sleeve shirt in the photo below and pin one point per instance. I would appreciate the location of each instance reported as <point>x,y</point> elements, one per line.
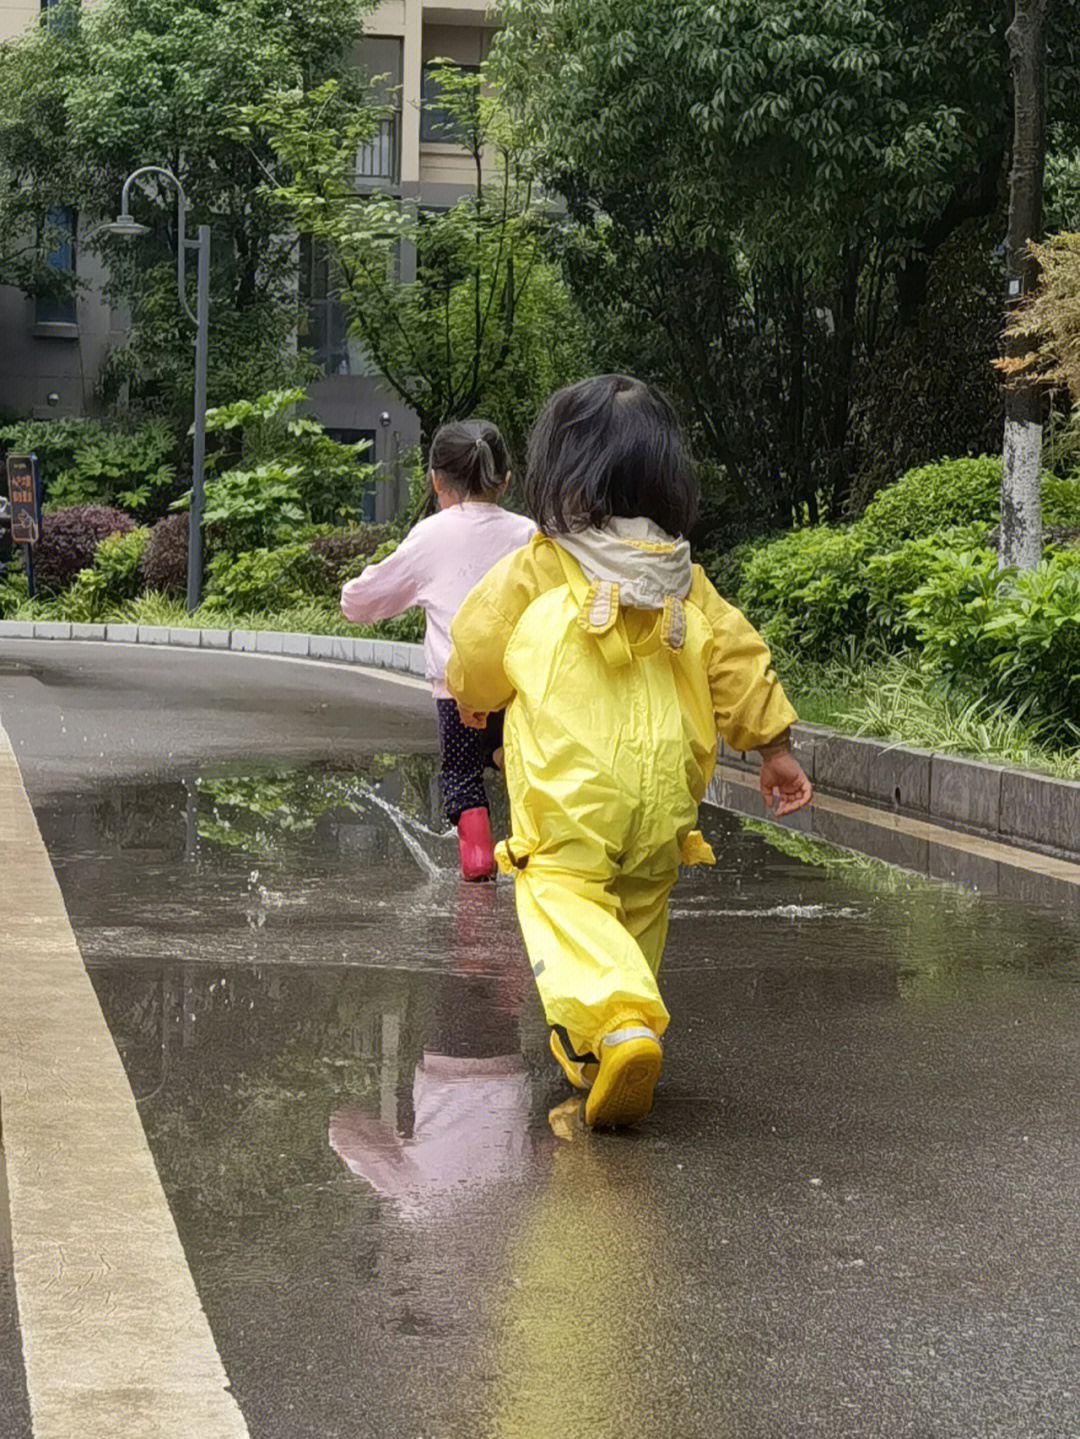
<point>435,566</point>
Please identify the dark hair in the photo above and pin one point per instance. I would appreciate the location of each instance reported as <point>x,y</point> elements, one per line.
<point>470,457</point>
<point>609,446</point>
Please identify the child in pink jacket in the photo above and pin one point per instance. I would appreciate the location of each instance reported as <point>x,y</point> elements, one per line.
<point>435,567</point>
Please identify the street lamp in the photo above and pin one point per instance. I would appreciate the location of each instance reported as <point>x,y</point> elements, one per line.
<point>127,227</point>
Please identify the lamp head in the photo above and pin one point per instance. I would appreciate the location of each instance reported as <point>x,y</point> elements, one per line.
<point>126,227</point>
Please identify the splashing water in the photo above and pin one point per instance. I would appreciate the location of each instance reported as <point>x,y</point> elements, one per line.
<point>408,828</point>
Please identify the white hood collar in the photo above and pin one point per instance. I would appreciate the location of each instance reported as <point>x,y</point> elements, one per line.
<point>642,559</point>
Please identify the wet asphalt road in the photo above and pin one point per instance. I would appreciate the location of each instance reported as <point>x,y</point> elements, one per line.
<point>854,1211</point>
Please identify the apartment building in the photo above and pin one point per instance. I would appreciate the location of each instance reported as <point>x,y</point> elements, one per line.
<point>53,352</point>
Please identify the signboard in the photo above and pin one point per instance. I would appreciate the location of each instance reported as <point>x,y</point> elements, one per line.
<point>22,475</point>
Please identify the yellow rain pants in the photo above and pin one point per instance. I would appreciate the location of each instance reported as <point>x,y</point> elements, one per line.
<point>612,718</point>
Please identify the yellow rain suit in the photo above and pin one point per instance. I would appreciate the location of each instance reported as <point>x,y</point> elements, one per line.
<point>618,664</point>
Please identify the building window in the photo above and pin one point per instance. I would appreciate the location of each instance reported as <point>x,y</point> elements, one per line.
<point>59,309</point>
<point>60,16</point>
<point>324,321</point>
<point>379,158</point>
<point>437,125</point>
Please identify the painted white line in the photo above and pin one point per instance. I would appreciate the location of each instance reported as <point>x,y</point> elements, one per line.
<point>115,1341</point>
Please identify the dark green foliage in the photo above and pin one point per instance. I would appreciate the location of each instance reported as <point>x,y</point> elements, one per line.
<point>934,498</point>
<point>106,583</point>
<point>930,389</point>
<point>85,462</point>
<point>265,579</point>
<point>341,551</point>
<point>163,564</point>
<point>69,539</point>
<point>1014,637</point>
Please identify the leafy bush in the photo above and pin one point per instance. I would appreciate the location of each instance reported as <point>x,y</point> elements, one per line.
<point>1061,501</point>
<point>264,579</point>
<point>253,509</point>
<point>329,479</point>
<point>84,462</point>
<point>1014,637</point>
<point>163,565</point>
<point>12,591</point>
<point>69,539</point>
<point>108,581</point>
<point>341,550</point>
<point>807,591</point>
<point>891,578</point>
<point>933,498</point>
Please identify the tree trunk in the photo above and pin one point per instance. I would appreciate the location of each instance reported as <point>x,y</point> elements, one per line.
<point>1021,517</point>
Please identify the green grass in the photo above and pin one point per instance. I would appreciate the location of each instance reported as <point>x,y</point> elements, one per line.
<point>901,700</point>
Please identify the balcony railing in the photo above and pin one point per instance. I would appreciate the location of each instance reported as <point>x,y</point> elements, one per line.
<point>379,159</point>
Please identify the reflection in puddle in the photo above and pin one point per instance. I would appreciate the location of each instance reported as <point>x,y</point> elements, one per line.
<point>471,1091</point>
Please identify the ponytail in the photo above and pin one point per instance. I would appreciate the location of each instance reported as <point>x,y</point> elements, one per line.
<point>470,457</point>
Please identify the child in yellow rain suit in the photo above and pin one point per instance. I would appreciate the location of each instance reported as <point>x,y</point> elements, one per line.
<point>617,663</point>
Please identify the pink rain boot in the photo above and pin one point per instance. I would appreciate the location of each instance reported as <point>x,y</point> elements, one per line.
<point>474,845</point>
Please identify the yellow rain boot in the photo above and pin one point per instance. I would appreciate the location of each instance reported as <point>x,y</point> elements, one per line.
<point>580,1070</point>
<point>622,1091</point>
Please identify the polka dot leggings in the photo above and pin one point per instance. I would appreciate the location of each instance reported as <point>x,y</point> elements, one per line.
<point>465,752</point>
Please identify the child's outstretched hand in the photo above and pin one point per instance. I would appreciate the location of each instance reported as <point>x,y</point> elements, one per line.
<point>783,784</point>
<point>473,719</point>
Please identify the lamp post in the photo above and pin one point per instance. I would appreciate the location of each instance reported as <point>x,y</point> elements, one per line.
<point>127,226</point>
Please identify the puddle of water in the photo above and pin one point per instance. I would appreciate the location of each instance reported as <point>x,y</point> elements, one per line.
<point>341,1067</point>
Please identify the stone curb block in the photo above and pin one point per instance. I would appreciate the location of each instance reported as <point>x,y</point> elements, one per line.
<point>1040,809</point>
<point>124,634</point>
<point>153,635</point>
<point>18,629</point>
<point>269,642</point>
<point>900,778</point>
<point>243,640</point>
<point>51,630</point>
<point>87,632</point>
<point>331,647</point>
<point>214,639</point>
<point>188,638</point>
<point>965,792</point>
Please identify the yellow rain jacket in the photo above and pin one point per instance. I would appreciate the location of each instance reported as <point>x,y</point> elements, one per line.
<point>618,664</point>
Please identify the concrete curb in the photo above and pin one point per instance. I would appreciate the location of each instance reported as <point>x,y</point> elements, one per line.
<point>1028,810</point>
<point>1016,807</point>
<point>376,654</point>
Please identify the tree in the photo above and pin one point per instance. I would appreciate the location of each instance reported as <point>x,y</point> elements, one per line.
<point>462,311</point>
<point>132,82</point>
<point>1021,518</point>
<point>764,186</point>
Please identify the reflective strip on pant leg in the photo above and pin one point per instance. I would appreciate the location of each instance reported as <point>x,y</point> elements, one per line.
<point>589,969</point>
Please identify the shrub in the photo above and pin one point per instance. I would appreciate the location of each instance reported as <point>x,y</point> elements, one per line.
<point>933,498</point>
<point>1061,502</point>
<point>341,550</point>
<point>329,479</point>
<point>84,462</point>
<point>807,591</point>
<point>69,539</point>
<point>893,577</point>
<point>1014,637</point>
<point>253,509</point>
<point>108,581</point>
<point>264,579</point>
<point>163,565</point>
